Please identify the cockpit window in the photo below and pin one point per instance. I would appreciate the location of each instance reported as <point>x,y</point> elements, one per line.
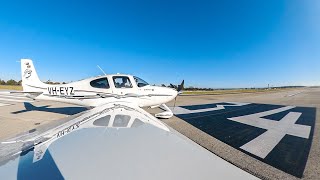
<point>100,83</point>
<point>140,82</point>
<point>122,82</point>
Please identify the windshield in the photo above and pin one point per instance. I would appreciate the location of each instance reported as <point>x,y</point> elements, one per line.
<point>140,82</point>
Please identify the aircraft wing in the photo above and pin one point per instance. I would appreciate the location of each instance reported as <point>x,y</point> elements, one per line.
<point>114,141</point>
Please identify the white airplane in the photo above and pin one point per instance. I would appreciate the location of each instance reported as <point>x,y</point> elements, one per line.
<point>116,139</point>
<point>96,91</point>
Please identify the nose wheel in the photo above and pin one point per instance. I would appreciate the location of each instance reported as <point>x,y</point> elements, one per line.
<point>166,114</point>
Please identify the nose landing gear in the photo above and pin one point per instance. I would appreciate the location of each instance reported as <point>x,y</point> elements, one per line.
<point>166,114</point>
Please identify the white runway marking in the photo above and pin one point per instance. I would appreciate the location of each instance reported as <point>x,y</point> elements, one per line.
<point>13,100</point>
<point>14,97</point>
<point>180,110</point>
<point>290,95</point>
<point>11,94</point>
<point>6,97</point>
<point>276,130</point>
<point>3,104</point>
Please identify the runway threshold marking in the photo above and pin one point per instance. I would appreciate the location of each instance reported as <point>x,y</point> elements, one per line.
<point>262,145</point>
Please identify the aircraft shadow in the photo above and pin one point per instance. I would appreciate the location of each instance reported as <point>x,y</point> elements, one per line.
<point>60,110</point>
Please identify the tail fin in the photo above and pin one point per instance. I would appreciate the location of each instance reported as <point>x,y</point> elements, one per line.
<point>29,77</point>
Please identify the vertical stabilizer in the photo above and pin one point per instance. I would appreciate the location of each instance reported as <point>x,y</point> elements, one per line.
<point>29,77</point>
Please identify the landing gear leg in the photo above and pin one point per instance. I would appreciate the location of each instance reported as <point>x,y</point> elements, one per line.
<point>166,114</point>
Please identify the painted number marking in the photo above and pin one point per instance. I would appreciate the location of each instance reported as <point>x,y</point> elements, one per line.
<point>262,145</point>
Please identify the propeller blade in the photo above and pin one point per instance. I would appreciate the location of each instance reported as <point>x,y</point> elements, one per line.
<point>181,86</point>
<point>175,100</point>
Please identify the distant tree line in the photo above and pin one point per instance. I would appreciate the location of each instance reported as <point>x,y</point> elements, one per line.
<point>10,82</point>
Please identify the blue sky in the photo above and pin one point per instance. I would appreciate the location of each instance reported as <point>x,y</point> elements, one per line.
<point>247,43</point>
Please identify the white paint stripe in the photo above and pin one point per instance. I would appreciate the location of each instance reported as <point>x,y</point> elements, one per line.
<point>180,110</point>
<point>257,121</point>
<point>262,145</point>
<point>8,92</point>
<point>274,111</point>
<point>276,130</point>
<point>290,95</point>
<point>14,100</point>
<point>13,97</point>
<point>3,104</point>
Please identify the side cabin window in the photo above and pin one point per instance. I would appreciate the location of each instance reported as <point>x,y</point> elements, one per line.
<point>122,82</point>
<point>100,83</point>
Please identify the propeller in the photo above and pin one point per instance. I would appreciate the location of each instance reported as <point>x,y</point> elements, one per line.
<point>179,88</point>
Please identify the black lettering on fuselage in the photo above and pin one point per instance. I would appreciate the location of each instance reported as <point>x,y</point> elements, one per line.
<point>54,90</point>
<point>61,91</point>
<point>71,91</point>
<point>66,90</point>
<point>49,90</point>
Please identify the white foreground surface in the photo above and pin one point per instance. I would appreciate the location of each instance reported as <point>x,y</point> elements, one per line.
<point>120,148</point>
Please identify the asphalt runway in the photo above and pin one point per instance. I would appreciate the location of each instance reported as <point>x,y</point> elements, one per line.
<point>295,156</point>
<point>272,135</point>
<point>282,138</point>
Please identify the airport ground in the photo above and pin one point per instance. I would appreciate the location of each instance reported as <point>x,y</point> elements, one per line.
<point>302,97</point>
<point>20,115</point>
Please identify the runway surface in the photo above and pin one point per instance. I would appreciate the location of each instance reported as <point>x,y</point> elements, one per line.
<point>7,99</point>
<point>106,138</point>
<point>20,114</point>
<point>254,131</point>
<point>280,136</point>
<point>282,143</point>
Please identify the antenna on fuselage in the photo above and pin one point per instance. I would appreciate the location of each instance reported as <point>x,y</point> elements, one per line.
<point>101,70</point>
